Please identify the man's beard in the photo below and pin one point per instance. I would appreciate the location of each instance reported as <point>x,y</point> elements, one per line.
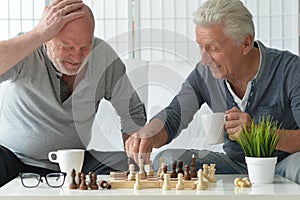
<point>58,64</point>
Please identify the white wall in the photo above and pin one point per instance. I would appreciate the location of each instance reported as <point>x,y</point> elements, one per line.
<point>163,28</point>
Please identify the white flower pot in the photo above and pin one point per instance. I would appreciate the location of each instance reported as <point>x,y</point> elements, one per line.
<point>261,170</point>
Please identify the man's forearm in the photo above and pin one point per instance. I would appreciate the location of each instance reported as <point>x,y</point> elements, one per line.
<point>154,130</point>
<point>14,50</point>
<point>289,141</point>
<point>158,132</point>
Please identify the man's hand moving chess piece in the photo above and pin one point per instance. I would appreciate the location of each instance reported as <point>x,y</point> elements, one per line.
<point>141,143</point>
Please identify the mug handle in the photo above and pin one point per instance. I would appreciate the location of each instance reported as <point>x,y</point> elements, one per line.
<point>50,156</point>
<point>225,118</point>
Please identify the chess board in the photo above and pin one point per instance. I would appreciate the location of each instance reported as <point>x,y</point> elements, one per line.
<point>129,180</point>
<point>179,179</point>
<point>119,180</point>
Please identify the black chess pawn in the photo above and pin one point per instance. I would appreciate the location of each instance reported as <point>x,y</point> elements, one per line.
<point>73,184</point>
<point>94,185</point>
<point>90,182</point>
<point>83,185</point>
<point>164,171</point>
<point>187,175</point>
<point>174,173</point>
<point>180,166</point>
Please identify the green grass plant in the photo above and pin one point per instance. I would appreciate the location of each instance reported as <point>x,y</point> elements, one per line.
<point>261,139</point>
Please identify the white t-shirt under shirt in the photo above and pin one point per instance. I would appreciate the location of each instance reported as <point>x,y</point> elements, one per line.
<point>242,103</point>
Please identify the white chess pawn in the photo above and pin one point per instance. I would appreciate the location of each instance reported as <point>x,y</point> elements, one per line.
<point>205,170</point>
<point>150,171</point>
<point>142,170</point>
<point>161,175</point>
<point>131,175</point>
<point>179,185</point>
<point>160,162</point>
<point>137,184</point>
<point>166,185</point>
<point>200,185</point>
<point>211,174</point>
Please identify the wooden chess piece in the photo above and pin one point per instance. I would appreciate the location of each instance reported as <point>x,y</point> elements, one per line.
<point>245,182</point>
<point>142,169</point>
<point>193,172</point>
<point>94,185</point>
<point>174,173</point>
<point>205,170</point>
<point>179,185</point>
<point>180,167</point>
<point>131,175</point>
<point>129,162</point>
<point>164,171</point>
<point>160,162</point>
<point>79,179</point>
<point>104,184</point>
<point>201,185</point>
<point>166,185</point>
<point>73,184</point>
<point>187,175</point>
<point>83,185</point>
<point>211,173</point>
<point>137,184</point>
<point>150,172</point>
<point>161,171</point>
<point>90,181</point>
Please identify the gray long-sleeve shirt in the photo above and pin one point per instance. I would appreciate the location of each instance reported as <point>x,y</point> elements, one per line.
<point>35,120</point>
<point>275,92</point>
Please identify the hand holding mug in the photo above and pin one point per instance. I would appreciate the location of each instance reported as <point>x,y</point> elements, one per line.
<point>236,120</point>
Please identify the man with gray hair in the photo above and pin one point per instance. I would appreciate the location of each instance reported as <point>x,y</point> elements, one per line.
<point>239,76</point>
<point>52,80</point>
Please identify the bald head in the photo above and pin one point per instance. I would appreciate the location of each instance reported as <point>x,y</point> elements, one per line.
<point>85,23</point>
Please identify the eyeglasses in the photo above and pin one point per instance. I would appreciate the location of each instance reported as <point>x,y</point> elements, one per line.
<point>31,180</point>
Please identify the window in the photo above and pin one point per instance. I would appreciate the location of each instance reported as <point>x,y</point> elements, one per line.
<point>158,29</point>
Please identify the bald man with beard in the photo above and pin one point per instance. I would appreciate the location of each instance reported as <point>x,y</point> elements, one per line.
<point>52,80</point>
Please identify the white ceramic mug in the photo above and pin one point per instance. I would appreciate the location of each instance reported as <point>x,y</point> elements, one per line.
<point>68,159</point>
<point>213,126</point>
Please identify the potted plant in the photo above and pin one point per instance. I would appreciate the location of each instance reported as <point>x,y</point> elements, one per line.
<point>258,142</point>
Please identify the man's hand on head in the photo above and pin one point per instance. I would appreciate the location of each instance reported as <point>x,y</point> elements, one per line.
<point>57,15</point>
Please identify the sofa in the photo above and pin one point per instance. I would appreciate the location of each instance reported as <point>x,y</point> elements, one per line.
<point>156,82</point>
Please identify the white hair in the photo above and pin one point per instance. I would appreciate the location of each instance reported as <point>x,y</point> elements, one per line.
<point>231,14</point>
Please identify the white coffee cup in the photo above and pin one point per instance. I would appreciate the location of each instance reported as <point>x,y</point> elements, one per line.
<point>68,159</point>
<point>213,126</point>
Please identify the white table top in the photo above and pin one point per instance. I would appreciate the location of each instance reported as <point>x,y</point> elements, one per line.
<point>223,189</point>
